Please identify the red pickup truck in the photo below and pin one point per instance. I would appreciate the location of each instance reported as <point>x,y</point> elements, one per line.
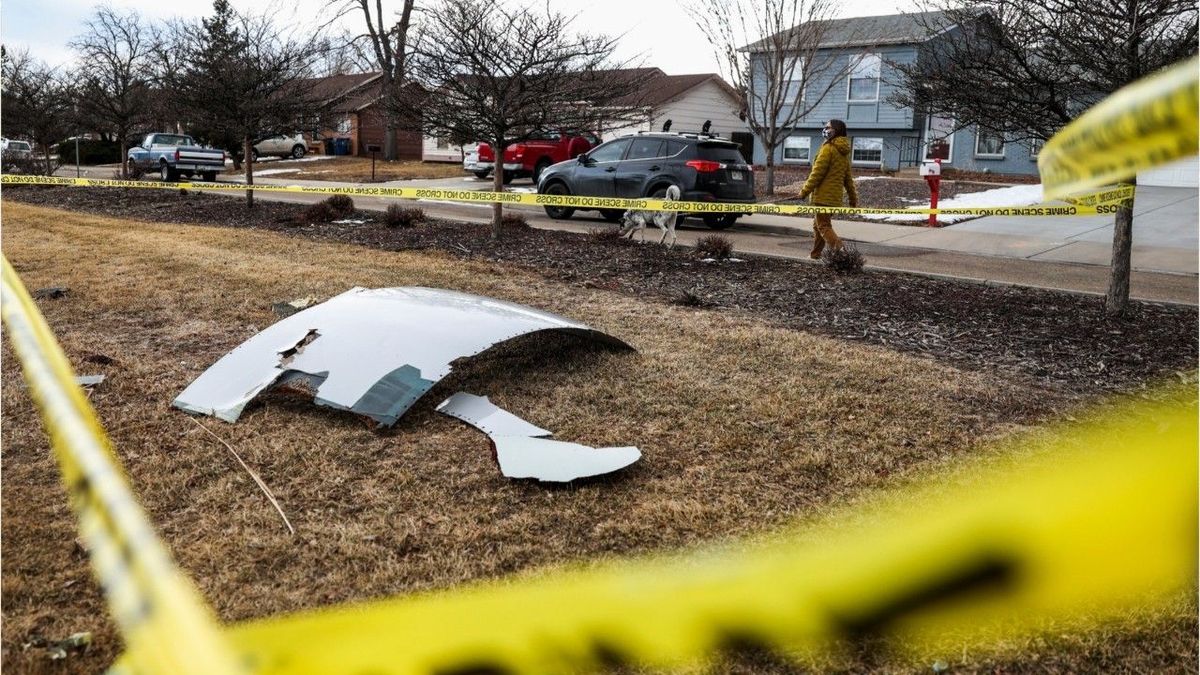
<point>529,157</point>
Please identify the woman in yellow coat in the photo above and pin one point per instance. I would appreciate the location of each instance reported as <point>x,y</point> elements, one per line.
<point>830,175</point>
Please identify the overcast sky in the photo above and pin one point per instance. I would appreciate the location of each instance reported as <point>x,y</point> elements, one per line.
<point>656,31</point>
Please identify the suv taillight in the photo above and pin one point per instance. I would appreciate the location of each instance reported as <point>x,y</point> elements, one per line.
<point>704,166</point>
<point>176,155</point>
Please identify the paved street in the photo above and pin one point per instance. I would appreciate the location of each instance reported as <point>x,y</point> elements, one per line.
<point>1064,253</point>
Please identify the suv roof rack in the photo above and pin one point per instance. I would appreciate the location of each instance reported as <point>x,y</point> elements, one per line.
<point>683,134</point>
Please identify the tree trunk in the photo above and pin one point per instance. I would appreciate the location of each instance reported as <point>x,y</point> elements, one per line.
<point>497,186</point>
<point>124,164</point>
<point>248,154</point>
<point>389,141</point>
<point>770,174</point>
<point>1116,303</point>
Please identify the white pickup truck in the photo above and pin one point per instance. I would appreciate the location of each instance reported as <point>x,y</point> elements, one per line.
<point>175,155</point>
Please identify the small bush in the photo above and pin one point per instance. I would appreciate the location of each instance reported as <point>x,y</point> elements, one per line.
<point>515,221</point>
<point>399,216</point>
<point>690,298</point>
<point>91,152</point>
<point>320,212</point>
<point>714,246</point>
<point>341,205</point>
<point>605,235</point>
<point>24,164</point>
<point>844,260</point>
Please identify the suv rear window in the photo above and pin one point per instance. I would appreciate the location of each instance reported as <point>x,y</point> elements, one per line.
<point>719,152</point>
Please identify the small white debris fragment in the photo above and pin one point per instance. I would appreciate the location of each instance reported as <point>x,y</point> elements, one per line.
<point>558,461</point>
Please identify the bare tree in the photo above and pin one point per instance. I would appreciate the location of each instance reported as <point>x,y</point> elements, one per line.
<point>243,77</point>
<point>1025,68</point>
<point>775,54</point>
<point>114,74</point>
<point>506,72</point>
<point>36,100</point>
<point>344,55</point>
<point>387,48</point>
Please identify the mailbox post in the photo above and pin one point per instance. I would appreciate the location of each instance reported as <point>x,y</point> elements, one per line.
<point>932,172</point>
<point>372,148</point>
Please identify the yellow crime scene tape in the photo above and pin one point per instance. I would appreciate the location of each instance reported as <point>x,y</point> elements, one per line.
<point>1150,122</point>
<point>1095,203</point>
<point>167,626</point>
<point>1101,522</point>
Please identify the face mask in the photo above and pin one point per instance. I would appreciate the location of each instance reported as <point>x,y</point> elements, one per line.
<point>826,133</point>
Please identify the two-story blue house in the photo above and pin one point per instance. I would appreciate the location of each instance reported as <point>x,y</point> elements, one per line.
<point>883,135</point>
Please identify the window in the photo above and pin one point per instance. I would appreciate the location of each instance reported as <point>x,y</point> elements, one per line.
<point>645,148</point>
<point>939,138</point>
<point>1035,146</point>
<point>988,144</point>
<point>794,92</point>
<point>674,148</point>
<point>867,150</point>
<point>864,78</point>
<point>797,149</point>
<point>343,125</point>
<point>609,152</point>
<point>442,143</point>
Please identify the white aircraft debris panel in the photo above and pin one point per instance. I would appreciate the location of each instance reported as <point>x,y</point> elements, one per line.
<point>373,352</point>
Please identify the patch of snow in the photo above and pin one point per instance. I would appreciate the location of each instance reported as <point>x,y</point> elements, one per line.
<point>309,158</point>
<point>1017,195</point>
<point>350,221</point>
<point>275,172</point>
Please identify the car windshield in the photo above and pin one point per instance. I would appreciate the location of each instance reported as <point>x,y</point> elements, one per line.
<point>18,145</point>
<point>720,152</point>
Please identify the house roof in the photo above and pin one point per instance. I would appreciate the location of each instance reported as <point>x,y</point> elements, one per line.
<point>659,88</point>
<point>861,31</point>
<point>334,87</point>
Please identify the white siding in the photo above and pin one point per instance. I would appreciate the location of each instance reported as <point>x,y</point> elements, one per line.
<point>430,152</point>
<point>708,101</point>
<point>1184,173</point>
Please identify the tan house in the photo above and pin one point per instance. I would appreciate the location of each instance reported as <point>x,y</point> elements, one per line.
<point>687,100</point>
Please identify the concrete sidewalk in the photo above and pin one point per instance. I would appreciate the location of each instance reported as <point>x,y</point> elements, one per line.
<point>1165,234</point>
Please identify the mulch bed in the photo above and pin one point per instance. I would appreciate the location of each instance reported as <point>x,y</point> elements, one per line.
<point>1059,339</point>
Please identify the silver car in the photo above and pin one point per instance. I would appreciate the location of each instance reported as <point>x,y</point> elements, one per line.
<point>281,146</point>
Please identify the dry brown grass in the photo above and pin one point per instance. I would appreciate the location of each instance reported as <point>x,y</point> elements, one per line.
<point>743,427</point>
<point>358,169</point>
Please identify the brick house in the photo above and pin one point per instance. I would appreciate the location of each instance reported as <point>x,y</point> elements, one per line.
<point>353,118</point>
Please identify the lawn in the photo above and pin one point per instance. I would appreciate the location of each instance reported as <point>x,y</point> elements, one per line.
<point>357,169</point>
<point>745,425</point>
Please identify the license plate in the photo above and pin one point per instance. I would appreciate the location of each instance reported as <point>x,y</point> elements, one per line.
<point>735,175</point>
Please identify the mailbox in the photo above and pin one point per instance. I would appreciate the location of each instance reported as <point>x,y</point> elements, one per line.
<point>933,168</point>
<point>373,147</point>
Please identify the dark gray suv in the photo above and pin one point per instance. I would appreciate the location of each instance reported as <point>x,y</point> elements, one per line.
<point>705,168</point>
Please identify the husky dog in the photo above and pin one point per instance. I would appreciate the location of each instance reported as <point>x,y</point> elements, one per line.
<point>664,220</point>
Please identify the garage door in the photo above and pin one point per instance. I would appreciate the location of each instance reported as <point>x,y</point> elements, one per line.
<point>1176,174</point>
